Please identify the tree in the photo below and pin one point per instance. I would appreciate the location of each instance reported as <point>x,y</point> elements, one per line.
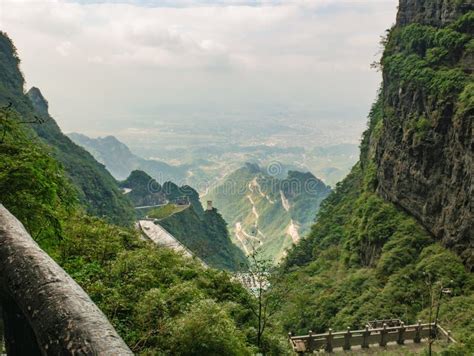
<point>436,291</point>
<point>33,185</point>
<point>206,329</point>
<point>261,279</point>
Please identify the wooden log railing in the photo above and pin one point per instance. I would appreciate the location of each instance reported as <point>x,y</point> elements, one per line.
<point>45,312</point>
<point>367,337</point>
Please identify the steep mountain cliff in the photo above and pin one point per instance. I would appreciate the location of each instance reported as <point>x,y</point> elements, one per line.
<point>97,189</point>
<point>424,149</point>
<point>266,212</point>
<point>434,13</point>
<point>206,235</point>
<point>160,302</point>
<point>179,211</point>
<point>143,190</point>
<point>399,227</point>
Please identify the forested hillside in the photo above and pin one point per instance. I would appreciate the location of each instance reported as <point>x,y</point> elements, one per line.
<point>206,235</point>
<point>143,190</point>
<point>203,232</point>
<point>266,212</point>
<point>399,226</point>
<point>97,190</point>
<point>159,301</point>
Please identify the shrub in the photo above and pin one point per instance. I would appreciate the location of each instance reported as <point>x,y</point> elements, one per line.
<point>206,330</point>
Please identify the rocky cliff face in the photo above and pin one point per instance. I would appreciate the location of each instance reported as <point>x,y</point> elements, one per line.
<point>365,257</point>
<point>432,12</point>
<point>38,100</point>
<point>424,147</point>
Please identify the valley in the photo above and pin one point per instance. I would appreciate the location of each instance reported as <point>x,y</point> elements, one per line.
<point>204,165</point>
<point>267,219</point>
<point>240,234</point>
<point>265,212</point>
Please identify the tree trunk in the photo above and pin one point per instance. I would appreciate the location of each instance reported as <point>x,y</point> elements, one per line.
<point>38,293</point>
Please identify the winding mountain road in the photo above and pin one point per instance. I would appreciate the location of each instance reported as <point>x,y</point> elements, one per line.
<point>293,232</point>
<point>161,237</point>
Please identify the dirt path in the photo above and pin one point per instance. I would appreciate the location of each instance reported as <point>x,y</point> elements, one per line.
<point>161,237</point>
<point>254,185</point>
<point>238,231</point>
<point>254,209</point>
<point>284,201</point>
<point>293,232</point>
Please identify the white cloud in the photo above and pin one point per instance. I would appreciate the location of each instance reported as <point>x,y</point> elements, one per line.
<point>120,46</point>
<point>64,48</point>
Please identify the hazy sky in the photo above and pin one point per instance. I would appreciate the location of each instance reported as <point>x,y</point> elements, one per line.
<point>107,65</point>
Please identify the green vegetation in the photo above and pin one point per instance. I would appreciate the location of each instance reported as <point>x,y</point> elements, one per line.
<point>11,80</point>
<point>261,208</point>
<point>160,302</point>
<point>422,126</point>
<point>30,186</point>
<point>156,299</point>
<point>144,190</point>
<point>203,232</point>
<point>466,101</point>
<point>166,211</point>
<point>175,193</point>
<point>96,188</point>
<point>421,57</point>
<point>208,330</point>
<point>205,235</point>
<point>365,258</point>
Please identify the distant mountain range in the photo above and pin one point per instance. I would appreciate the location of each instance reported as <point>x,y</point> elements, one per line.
<point>204,233</point>
<point>204,167</point>
<point>266,212</point>
<point>120,161</point>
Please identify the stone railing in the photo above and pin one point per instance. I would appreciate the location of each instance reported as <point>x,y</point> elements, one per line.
<point>45,312</point>
<point>367,337</point>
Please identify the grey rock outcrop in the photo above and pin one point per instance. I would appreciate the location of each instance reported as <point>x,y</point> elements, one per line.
<point>432,12</point>
<point>429,173</point>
